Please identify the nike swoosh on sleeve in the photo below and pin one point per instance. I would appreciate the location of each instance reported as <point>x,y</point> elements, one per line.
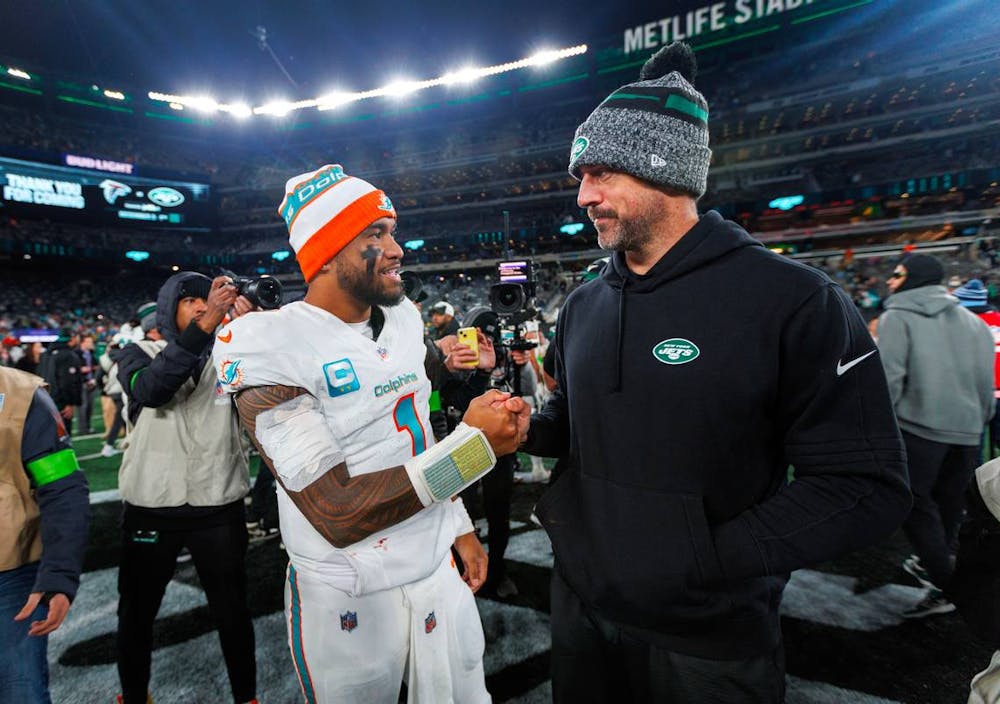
<point>841,368</point>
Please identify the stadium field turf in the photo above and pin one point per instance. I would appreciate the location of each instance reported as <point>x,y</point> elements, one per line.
<point>845,641</point>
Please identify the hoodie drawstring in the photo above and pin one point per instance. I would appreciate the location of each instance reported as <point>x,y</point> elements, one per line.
<point>621,334</point>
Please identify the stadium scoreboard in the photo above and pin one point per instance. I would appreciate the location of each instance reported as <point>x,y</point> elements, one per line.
<point>30,189</point>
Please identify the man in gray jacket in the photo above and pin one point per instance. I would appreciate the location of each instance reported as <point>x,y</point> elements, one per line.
<point>938,360</point>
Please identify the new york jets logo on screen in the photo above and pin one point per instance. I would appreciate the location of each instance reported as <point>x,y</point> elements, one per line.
<point>165,196</point>
<point>579,147</point>
<point>676,350</point>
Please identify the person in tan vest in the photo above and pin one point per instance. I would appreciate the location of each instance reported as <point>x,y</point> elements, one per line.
<point>183,479</point>
<point>44,514</point>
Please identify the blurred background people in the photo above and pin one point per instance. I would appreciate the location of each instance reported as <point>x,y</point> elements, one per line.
<point>939,362</point>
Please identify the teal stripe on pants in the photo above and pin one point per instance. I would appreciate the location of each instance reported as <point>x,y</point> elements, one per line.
<point>298,652</point>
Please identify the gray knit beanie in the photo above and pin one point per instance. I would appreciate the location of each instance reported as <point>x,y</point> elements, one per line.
<point>656,129</point>
<point>147,316</point>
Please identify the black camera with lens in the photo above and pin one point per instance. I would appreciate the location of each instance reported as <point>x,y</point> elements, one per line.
<point>263,292</point>
<point>513,298</point>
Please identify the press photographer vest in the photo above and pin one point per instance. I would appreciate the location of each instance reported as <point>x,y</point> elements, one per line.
<point>20,539</point>
<point>187,451</point>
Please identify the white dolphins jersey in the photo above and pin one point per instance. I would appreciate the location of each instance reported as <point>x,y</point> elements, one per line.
<point>374,396</point>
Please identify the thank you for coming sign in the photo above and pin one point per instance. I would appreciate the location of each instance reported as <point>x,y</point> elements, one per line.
<point>32,189</point>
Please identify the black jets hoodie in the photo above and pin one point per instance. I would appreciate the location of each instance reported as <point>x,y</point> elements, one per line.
<point>685,395</point>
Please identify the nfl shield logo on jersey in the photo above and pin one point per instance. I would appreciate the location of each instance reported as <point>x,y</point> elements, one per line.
<point>430,622</point>
<point>349,621</point>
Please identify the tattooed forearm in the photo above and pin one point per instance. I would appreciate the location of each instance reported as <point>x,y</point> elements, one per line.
<point>343,509</point>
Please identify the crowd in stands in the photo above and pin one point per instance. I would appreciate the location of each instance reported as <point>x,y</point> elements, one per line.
<point>90,304</point>
<point>450,178</point>
<point>99,305</point>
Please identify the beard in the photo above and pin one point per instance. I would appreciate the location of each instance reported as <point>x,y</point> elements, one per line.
<point>370,290</point>
<point>625,234</point>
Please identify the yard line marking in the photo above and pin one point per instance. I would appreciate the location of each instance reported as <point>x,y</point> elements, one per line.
<point>104,497</point>
<point>88,437</point>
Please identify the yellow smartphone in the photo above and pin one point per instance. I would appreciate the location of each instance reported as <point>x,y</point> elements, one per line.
<point>469,337</point>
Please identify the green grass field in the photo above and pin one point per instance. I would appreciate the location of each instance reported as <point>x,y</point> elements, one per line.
<point>102,472</point>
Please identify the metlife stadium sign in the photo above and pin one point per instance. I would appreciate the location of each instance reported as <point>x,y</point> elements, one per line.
<point>708,19</point>
<point>31,189</point>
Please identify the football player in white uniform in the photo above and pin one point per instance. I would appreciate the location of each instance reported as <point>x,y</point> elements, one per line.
<point>334,394</point>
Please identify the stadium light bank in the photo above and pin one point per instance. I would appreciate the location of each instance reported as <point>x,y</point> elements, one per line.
<point>395,89</point>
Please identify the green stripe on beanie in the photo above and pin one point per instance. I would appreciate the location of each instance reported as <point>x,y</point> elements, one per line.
<point>692,108</point>
<point>662,101</point>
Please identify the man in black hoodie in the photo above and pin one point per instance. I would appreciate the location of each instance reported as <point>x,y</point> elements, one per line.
<point>182,480</point>
<point>691,374</point>
<point>61,370</point>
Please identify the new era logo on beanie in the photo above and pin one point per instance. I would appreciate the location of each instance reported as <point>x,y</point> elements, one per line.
<point>324,210</point>
<point>656,129</point>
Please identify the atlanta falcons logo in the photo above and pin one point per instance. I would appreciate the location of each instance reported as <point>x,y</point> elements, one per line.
<point>114,190</point>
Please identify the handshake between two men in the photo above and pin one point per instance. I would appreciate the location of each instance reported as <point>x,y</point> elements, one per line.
<point>502,418</point>
<point>494,425</point>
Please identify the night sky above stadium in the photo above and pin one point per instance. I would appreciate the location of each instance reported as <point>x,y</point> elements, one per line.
<point>210,46</point>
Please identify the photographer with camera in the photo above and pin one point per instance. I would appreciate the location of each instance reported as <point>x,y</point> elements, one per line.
<point>182,480</point>
<point>263,292</point>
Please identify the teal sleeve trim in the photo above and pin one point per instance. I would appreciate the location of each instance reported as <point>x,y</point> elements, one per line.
<point>54,467</point>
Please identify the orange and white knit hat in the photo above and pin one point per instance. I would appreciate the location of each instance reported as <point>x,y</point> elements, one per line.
<point>325,209</point>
